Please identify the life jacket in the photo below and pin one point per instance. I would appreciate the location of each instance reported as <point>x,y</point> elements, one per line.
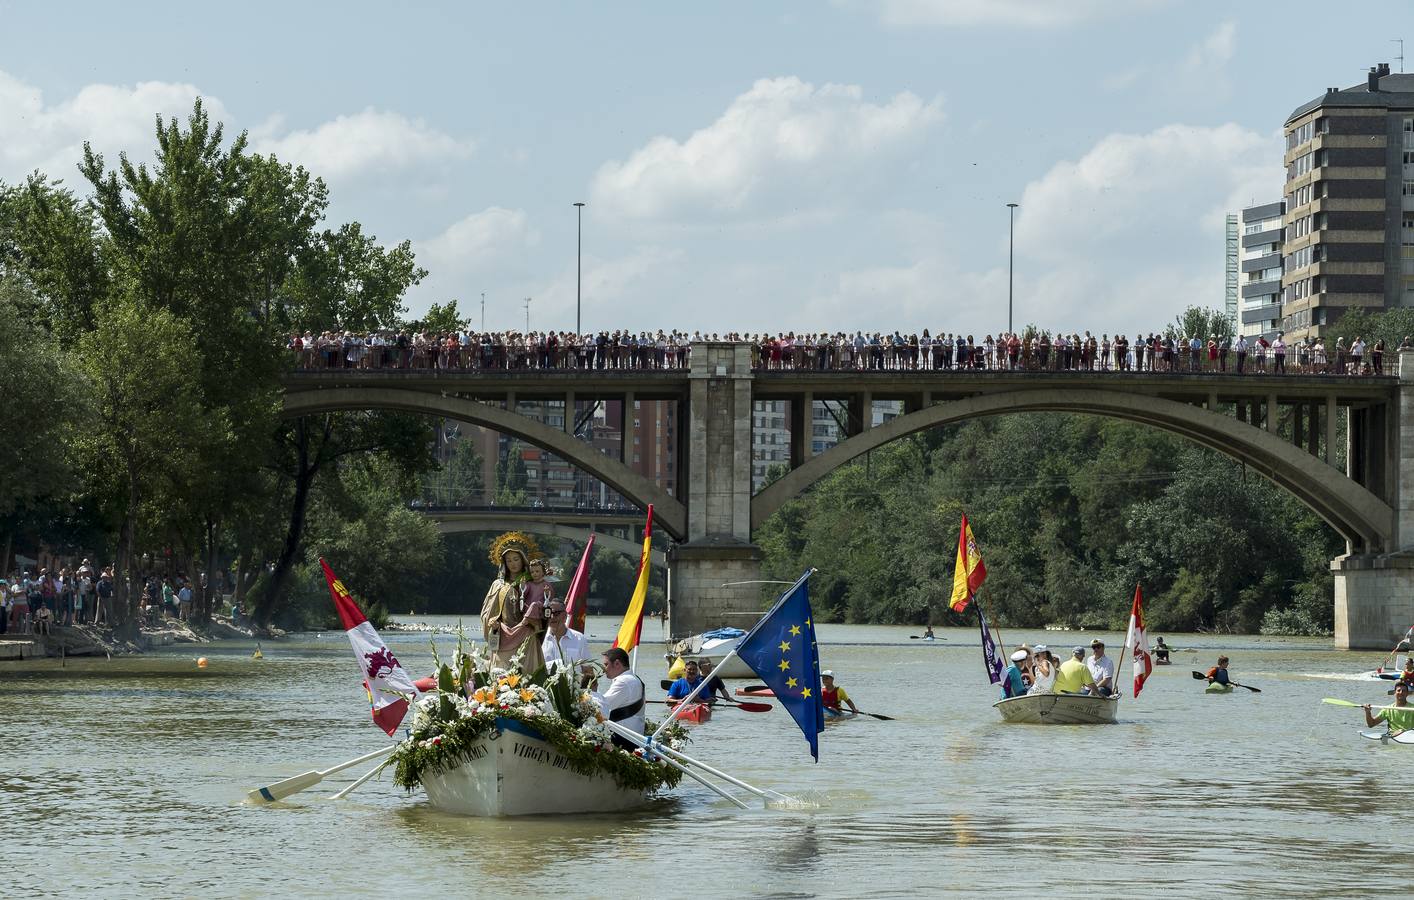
<point>830,698</point>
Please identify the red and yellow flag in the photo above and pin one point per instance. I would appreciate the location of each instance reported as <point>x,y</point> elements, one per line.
<point>632,625</point>
<point>970,571</point>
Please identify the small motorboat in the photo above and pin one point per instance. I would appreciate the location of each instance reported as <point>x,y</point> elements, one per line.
<point>1216,688</point>
<point>1058,709</point>
<point>713,645</point>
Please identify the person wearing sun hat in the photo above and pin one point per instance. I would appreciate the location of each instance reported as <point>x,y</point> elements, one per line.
<point>1043,670</point>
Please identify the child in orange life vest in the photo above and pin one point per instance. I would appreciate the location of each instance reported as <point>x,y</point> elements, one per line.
<point>833,696</point>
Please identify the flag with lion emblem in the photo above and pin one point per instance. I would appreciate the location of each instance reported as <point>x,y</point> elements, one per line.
<point>384,679</point>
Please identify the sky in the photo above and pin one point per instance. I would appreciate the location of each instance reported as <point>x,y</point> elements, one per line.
<point>807,166</point>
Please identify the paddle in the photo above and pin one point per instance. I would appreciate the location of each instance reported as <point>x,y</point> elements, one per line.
<point>749,707</point>
<point>1203,677</point>
<point>878,716</point>
<point>1334,702</point>
<point>282,789</point>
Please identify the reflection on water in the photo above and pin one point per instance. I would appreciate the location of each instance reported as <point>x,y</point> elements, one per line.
<point>132,773</point>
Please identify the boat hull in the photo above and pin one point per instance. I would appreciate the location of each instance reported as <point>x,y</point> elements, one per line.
<point>716,650</point>
<point>1058,709</point>
<point>519,774</point>
<point>695,713</point>
<point>1216,688</point>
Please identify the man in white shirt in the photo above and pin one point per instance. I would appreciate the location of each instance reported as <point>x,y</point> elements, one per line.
<point>1102,669</point>
<point>622,702</point>
<point>562,645</point>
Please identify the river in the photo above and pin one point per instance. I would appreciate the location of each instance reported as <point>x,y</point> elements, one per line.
<point>126,778</point>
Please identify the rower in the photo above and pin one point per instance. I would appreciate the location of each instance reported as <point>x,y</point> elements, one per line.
<point>1396,720</point>
<point>685,685</point>
<point>1161,650</point>
<point>714,688</point>
<point>1218,674</point>
<point>832,696</point>
<point>928,632</point>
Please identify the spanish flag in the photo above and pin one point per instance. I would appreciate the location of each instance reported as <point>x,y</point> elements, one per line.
<point>970,571</point>
<point>632,625</point>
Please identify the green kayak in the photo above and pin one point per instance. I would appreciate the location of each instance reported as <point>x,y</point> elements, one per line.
<point>1216,688</point>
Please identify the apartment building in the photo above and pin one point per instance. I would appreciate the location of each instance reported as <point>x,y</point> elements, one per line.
<point>1261,267</point>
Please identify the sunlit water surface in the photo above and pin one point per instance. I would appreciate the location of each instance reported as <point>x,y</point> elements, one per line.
<point>127,778</point>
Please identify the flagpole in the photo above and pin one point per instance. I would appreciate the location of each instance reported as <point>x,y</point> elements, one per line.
<point>682,704</point>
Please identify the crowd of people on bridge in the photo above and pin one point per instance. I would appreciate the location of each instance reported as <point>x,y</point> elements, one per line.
<point>1043,351</point>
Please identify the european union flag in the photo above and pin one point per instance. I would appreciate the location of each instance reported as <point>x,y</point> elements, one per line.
<point>781,649</point>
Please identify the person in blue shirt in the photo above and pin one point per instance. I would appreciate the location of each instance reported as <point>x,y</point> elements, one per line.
<point>715,688</point>
<point>679,689</point>
<point>1012,683</point>
<point>1218,674</point>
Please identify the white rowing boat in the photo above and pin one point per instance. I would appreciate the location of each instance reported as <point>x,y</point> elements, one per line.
<point>1058,709</point>
<point>519,774</point>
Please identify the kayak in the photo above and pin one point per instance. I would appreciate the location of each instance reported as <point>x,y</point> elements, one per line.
<point>1058,709</point>
<point>1385,736</point>
<point>1216,688</point>
<point>837,715</point>
<point>1163,662</point>
<point>696,713</point>
<point>749,692</point>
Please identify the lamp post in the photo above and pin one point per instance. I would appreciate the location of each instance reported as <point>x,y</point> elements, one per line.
<point>1010,263</point>
<point>527,315</point>
<point>578,264</point>
<point>483,310</point>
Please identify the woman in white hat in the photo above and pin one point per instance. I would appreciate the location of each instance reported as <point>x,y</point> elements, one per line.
<point>1043,670</point>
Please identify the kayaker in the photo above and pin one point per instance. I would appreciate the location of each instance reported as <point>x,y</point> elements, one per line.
<point>1161,650</point>
<point>685,685</point>
<point>1397,720</point>
<point>714,688</point>
<point>622,701</point>
<point>1073,676</point>
<point>1102,669</point>
<point>1012,683</point>
<point>832,696</point>
<point>928,632</point>
<point>1218,674</point>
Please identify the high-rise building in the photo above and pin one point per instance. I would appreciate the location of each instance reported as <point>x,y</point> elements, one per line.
<point>1262,231</point>
<point>1230,271</point>
<point>1349,239</point>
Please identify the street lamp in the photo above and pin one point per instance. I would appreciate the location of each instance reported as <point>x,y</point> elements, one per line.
<point>483,310</point>
<point>1010,263</point>
<point>578,264</point>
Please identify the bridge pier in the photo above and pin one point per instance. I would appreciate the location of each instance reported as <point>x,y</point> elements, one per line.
<point>706,570</point>
<point>1374,591</point>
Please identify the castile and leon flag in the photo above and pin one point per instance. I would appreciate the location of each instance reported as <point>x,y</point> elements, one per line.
<point>970,571</point>
<point>1138,642</point>
<point>386,682</point>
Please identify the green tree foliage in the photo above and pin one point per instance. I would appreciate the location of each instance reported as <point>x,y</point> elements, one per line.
<point>1071,512</point>
<point>1392,326</point>
<point>1202,323</point>
<point>460,480</point>
<point>442,318</point>
<point>511,479</point>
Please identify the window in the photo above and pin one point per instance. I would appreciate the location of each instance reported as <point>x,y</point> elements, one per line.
<point>1301,134</point>
<point>1300,166</point>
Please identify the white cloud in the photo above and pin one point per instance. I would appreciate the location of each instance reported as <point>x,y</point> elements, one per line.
<point>1214,50</point>
<point>369,141</point>
<point>1137,222</point>
<point>483,248</point>
<point>49,137</point>
<point>1019,13</point>
<point>782,145</point>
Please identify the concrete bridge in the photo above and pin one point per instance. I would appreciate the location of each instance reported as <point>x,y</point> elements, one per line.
<point>574,524</point>
<point>711,512</point>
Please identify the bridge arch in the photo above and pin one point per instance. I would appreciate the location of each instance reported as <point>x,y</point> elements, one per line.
<point>485,522</point>
<point>1358,515</point>
<point>668,511</point>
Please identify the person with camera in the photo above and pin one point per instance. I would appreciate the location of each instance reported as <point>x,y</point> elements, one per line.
<point>622,700</point>
<point>563,646</point>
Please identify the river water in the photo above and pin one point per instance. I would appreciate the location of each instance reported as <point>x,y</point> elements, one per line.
<point>126,778</point>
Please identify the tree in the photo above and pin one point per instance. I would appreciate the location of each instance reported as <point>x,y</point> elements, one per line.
<point>1200,322</point>
<point>459,481</point>
<point>442,319</point>
<point>511,479</point>
<point>139,360</point>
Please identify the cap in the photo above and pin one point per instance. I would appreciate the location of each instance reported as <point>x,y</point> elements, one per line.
<point>1018,656</point>
<point>1097,643</point>
<point>828,673</point>
<point>1077,651</point>
<point>1040,648</point>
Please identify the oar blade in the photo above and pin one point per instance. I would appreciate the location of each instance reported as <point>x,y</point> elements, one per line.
<point>753,707</point>
<point>879,716</point>
<point>1333,701</point>
<point>1199,675</point>
<point>282,789</point>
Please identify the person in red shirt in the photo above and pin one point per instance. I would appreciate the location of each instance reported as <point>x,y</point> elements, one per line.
<point>833,696</point>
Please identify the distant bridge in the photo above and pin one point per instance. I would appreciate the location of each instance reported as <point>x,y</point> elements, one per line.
<point>575,525</point>
<point>713,514</point>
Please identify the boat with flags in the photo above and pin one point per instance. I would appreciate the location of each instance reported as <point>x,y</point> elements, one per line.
<point>1058,709</point>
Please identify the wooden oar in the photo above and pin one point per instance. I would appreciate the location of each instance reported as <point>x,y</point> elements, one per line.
<point>1200,676</point>
<point>282,789</point>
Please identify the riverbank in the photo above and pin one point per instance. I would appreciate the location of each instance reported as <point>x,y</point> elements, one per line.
<point>91,640</point>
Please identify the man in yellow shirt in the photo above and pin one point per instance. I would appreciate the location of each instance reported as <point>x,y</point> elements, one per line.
<point>1074,676</point>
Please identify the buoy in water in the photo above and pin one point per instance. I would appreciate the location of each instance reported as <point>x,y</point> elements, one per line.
<point>257,654</point>
<point>201,663</point>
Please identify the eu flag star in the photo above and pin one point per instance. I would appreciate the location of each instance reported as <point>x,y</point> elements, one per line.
<point>785,664</point>
<point>785,645</point>
<point>805,693</point>
<point>794,630</point>
<point>790,682</point>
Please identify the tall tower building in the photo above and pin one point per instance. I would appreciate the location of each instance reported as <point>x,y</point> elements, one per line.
<point>1261,263</point>
<point>1230,272</point>
<point>1349,220</point>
